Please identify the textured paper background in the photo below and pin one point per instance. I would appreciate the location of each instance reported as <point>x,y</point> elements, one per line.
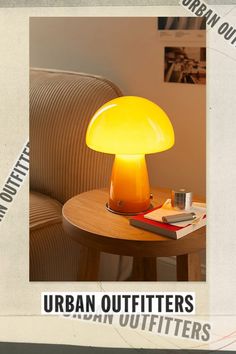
<point>20,318</point>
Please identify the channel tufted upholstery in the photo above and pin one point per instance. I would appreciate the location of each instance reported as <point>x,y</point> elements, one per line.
<point>61,166</point>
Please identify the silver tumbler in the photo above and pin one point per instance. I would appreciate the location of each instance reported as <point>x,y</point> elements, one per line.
<point>181,199</point>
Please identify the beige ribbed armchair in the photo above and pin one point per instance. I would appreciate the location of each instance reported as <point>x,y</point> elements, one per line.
<point>61,166</point>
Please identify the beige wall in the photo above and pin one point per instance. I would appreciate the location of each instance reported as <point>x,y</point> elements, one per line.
<point>129,52</point>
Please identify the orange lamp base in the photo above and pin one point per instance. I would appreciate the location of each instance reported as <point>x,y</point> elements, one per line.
<point>129,189</point>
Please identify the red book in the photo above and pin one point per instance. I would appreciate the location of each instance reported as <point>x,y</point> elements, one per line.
<point>165,229</point>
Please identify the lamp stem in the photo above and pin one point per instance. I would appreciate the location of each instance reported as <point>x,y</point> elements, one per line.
<point>129,189</point>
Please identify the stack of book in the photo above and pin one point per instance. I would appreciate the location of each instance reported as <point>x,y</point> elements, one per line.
<point>152,220</point>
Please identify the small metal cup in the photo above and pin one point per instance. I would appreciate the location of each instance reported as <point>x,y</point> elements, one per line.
<point>181,199</point>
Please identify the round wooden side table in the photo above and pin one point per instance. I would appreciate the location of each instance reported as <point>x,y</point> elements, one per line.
<point>88,222</point>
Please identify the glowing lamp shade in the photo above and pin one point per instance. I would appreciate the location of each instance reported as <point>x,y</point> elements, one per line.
<point>130,127</point>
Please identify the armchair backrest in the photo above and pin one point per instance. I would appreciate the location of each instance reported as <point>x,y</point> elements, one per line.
<point>61,106</point>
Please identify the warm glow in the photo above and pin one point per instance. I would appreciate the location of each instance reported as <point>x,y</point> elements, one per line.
<point>130,125</point>
<point>129,191</point>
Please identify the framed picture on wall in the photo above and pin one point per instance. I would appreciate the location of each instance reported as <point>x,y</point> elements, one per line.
<point>191,29</point>
<point>186,65</point>
<point>181,23</point>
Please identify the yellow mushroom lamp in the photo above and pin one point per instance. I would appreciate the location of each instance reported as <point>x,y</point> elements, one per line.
<point>129,127</point>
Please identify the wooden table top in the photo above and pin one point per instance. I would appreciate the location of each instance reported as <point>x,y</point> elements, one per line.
<point>87,220</point>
